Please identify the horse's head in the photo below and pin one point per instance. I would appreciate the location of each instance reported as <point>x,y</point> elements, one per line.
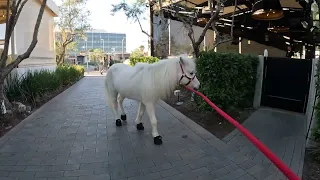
<point>187,73</point>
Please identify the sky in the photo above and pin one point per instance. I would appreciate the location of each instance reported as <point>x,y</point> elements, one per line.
<point>101,18</point>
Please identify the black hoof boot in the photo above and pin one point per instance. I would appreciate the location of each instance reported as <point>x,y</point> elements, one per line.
<point>123,117</point>
<point>157,140</point>
<point>118,122</point>
<point>140,126</point>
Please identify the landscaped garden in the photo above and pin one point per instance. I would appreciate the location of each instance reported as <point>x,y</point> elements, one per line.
<point>33,89</point>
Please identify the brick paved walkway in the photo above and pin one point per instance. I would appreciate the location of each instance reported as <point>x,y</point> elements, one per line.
<point>73,137</point>
<point>283,132</point>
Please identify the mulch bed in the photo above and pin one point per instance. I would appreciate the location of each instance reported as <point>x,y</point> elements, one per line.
<point>211,121</point>
<point>311,168</point>
<point>9,121</point>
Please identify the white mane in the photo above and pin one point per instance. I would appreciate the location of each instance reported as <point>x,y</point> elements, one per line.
<point>159,79</point>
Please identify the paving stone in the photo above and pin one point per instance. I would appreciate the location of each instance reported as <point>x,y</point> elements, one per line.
<point>64,178</point>
<point>38,168</point>
<point>12,168</point>
<point>175,170</point>
<point>233,175</point>
<point>152,176</point>
<point>95,177</point>
<point>22,174</point>
<point>4,173</point>
<point>219,173</point>
<point>49,174</point>
<point>68,167</point>
<point>79,173</point>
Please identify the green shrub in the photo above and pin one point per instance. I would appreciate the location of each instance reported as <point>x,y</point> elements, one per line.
<point>147,59</point>
<point>316,130</point>
<point>227,79</point>
<point>34,85</point>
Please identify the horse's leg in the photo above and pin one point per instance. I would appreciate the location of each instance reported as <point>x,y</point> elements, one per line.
<point>120,102</point>
<point>114,107</point>
<point>150,107</point>
<point>138,121</point>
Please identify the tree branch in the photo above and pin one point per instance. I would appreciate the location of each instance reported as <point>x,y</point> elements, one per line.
<point>33,43</point>
<point>19,10</point>
<point>209,24</point>
<point>8,32</point>
<point>143,31</point>
<point>218,41</point>
<point>70,40</point>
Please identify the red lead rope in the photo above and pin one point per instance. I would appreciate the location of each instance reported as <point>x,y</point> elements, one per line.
<point>275,160</point>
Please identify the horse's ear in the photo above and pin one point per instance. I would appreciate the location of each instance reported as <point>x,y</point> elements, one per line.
<point>181,61</point>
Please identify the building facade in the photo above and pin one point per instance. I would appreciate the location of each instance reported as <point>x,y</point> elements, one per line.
<point>43,56</point>
<point>101,39</point>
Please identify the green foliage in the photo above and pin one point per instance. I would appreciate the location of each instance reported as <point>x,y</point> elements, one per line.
<point>132,11</point>
<point>71,25</point>
<point>227,79</point>
<point>96,55</point>
<point>34,85</point>
<point>138,52</point>
<point>316,130</point>
<point>147,59</point>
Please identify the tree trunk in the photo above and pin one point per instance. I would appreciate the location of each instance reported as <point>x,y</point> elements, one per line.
<point>151,42</point>
<point>3,98</point>
<point>196,50</point>
<point>60,59</point>
<point>163,32</point>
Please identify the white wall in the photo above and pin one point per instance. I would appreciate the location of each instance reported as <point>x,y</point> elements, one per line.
<point>44,53</point>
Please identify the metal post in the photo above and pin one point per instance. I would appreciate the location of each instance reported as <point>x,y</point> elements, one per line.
<point>87,57</point>
<point>92,38</point>
<point>204,43</point>
<point>169,22</point>
<point>122,49</point>
<point>103,45</point>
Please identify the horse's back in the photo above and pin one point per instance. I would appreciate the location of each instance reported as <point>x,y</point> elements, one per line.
<point>118,66</point>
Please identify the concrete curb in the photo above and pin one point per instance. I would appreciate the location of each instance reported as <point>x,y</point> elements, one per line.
<point>199,130</point>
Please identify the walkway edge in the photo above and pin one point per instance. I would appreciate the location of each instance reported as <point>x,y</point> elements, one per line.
<point>199,130</point>
<point>15,129</point>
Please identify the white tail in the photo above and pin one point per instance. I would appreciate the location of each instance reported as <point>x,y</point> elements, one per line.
<point>108,80</point>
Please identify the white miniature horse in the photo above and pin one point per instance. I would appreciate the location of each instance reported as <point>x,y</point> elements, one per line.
<point>147,83</point>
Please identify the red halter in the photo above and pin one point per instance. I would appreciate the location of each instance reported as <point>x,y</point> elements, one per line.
<point>184,75</point>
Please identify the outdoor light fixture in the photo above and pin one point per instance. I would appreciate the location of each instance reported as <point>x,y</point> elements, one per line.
<point>313,28</point>
<point>177,94</point>
<point>3,16</point>
<point>203,21</point>
<point>279,26</point>
<point>267,10</point>
<point>304,24</point>
<point>279,29</point>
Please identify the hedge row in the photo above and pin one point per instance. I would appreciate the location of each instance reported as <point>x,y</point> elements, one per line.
<point>147,59</point>
<point>227,79</point>
<point>34,85</point>
<point>316,130</point>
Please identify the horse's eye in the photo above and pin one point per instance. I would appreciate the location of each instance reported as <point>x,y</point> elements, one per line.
<point>191,73</point>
